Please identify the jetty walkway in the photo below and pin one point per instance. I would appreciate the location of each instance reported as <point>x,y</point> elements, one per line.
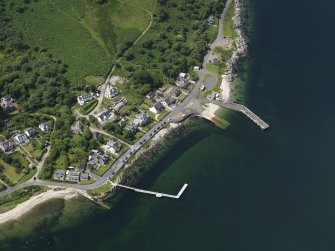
<point>158,195</point>
<point>243,109</point>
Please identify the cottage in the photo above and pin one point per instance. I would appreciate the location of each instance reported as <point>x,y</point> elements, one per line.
<point>196,68</point>
<point>182,80</point>
<point>21,138</point>
<point>84,176</point>
<point>72,176</point>
<point>157,108</point>
<point>118,106</point>
<point>7,146</point>
<point>141,119</point>
<point>150,95</point>
<point>111,92</point>
<point>104,116</point>
<point>7,104</point>
<point>44,127</point>
<point>113,146</point>
<point>30,132</point>
<point>97,159</point>
<point>77,127</point>
<point>83,99</point>
<point>59,175</point>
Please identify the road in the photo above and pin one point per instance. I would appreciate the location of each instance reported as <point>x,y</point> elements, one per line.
<point>120,162</point>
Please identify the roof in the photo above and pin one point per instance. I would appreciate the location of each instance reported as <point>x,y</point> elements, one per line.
<point>159,106</point>
<point>118,106</point>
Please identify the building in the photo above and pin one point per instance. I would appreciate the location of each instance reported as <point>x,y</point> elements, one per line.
<point>30,132</point>
<point>141,119</point>
<point>113,146</point>
<point>7,104</point>
<point>182,80</point>
<point>213,96</point>
<point>211,20</point>
<point>59,175</point>
<point>97,159</point>
<point>157,108</point>
<point>44,127</point>
<point>104,116</point>
<point>21,138</point>
<point>83,99</point>
<point>111,92</point>
<point>169,101</point>
<point>7,146</point>
<point>77,127</point>
<point>122,122</point>
<point>131,128</point>
<point>196,68</point>
<point>72,176</point>
<point>150,95</point>
<point>84,176</point>
<point>176,92</point>
<point>118,106</point>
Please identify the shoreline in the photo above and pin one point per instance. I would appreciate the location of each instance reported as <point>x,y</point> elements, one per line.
<point>239,52</point>
<point>23,208</point>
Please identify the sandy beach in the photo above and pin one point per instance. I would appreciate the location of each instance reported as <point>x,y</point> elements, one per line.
<point>28,205</point>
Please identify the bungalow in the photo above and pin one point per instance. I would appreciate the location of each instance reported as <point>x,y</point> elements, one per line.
<point>7,146</point>
<point>157,108</point>
<point>104,116</point>
<point>118,106</point>
<point>7,104</point>
<point>83,99</point>
<point>141,119</point>
<point>30,132</point>
<point>111,92</point>
<point>182,80</point>
<point>113,146</point>
<point>59,175</point>
<point>77,127</point>
<point>72,176</point>
<point>21,138</point>
<point>44,127</point>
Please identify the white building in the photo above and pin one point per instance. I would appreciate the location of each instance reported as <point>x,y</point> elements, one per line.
<point>111,92</point>
<point>82,99</point>
<point>157,108</point>
<point>21,138</point>
<point>44,127</point>
<point>141,119</point>
<point>113,146</point>
<point>182,80</point>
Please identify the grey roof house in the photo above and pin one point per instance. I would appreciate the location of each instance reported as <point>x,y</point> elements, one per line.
<point>59,175</point>
<point>21,138</point>
<point>7,146</point>
<point>7,104</point>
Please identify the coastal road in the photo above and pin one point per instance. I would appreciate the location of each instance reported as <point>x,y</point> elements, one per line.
<point>121,161</point>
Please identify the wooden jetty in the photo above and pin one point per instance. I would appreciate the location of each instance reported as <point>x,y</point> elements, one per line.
<point>157,194</point>
<point>243,109</point>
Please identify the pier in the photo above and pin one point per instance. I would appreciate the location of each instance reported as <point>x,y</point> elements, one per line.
<point>243,109</point>
<point>158,195</point>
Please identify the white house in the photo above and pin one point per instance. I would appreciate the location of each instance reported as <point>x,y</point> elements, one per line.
<point>44,127</point>
<point>104,116</point>
<point>182,80</point>
<point>113,146</point>
<point>82,99</point>
<point>111,92</point>
<point>30,132</point>
<point>21,138</point>
<point>141,119</point>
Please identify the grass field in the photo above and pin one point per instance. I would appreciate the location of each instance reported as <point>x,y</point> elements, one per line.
<point>228,29</point>
<point>84,35</point>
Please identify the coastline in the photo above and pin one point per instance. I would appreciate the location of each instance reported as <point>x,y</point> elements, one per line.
<point>165,135</point>
<point>239,52</point>
<point>28,205</point>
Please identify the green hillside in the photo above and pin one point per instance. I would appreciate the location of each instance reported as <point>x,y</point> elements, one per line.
<point>85,35</point>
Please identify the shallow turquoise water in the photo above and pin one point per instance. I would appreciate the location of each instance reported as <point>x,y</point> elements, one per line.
<point>248,189</point>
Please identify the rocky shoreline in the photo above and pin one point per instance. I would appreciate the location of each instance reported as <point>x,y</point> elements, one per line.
<point>241,41</point>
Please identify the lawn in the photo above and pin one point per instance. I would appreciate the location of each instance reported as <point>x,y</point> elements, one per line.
<point>84,35</point>
<point>88,107</point>
<point>10,172</point>
<point>228,29</point>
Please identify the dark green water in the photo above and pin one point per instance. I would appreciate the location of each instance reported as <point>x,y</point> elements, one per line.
<point>248,190</point>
